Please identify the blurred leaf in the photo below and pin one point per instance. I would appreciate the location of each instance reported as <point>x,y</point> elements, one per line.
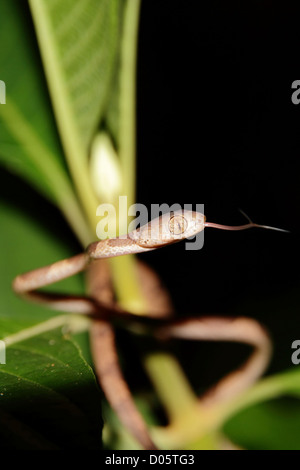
<point>41,405</point>
<point>44,387</point>
<point>273,425</point>
<point>26,244</point>
<point>26,119</point>
<point>112,115</point>
<point>262,419</point>
<point>78,42</point>
<point>29,143</point>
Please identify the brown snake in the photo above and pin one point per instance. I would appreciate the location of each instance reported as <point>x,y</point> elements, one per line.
<point>99,304</point>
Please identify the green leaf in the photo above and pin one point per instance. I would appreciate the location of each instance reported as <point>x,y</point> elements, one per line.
<point>273,425</point>
<point>49,396</point>
<point>78,42</point>
<point>29,143</point>
<point>112,115</point>
<point>27,102</point>
<point>41,405</point>
<point>262,419</point>
<point>27,244</point>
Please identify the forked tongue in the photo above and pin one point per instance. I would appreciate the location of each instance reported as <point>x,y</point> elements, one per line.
<point>251,224</point>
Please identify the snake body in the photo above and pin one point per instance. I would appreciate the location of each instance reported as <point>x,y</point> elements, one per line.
<point>161,231</point>
<point>99,303</point>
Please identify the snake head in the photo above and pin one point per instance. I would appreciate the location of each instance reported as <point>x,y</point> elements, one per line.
<point>169,228</point>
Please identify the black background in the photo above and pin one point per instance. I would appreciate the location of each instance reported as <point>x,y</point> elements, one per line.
<point>216,125</point>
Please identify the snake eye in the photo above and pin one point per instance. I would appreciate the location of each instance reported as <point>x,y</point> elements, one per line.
<point>177,224</point>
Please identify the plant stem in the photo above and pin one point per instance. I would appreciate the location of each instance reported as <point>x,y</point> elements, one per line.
<point>127,137</point>
<point>164,371</point>
<point>201,421</point>
<point>74,151</point>
<point>170,382</point>
<point>123,269</point>
<point>74,323</point>
<point>266,389</point>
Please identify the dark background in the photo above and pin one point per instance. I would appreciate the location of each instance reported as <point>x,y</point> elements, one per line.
<point>216,126</point>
